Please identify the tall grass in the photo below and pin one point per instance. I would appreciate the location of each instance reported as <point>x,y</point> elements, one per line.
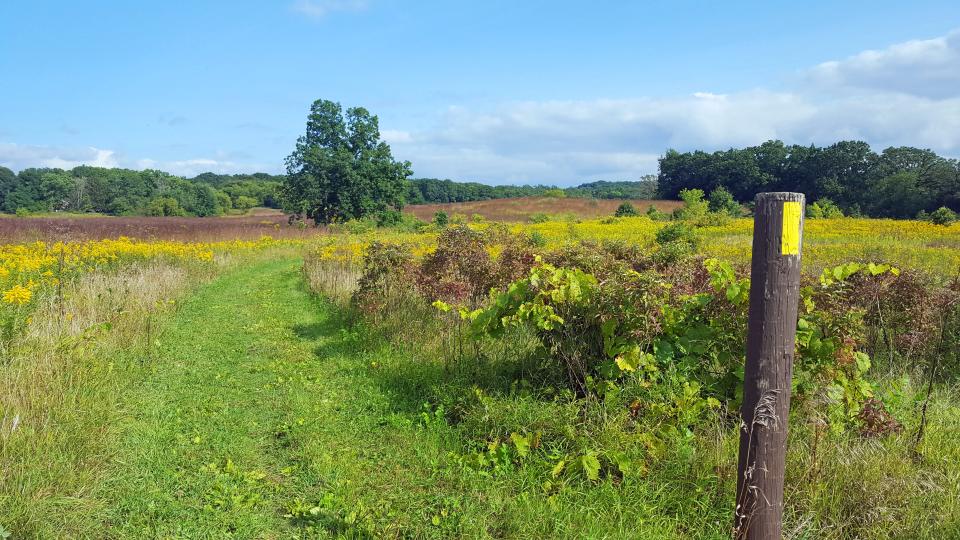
<point>65,380</point>
<point>838,484</point>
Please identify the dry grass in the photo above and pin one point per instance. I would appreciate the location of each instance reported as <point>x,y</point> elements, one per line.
<point>188,229</point>
<point>520,209</point>
<point>63,377</point>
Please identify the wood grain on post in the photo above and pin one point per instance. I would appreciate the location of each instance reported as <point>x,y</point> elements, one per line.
<point>771,335</point>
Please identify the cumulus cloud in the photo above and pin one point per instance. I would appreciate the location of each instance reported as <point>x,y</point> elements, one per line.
<point>928,68</point>
<point>395,136</point>
<point>22,156</point>
<point>569,141</point>
<point>19,156</point>
<point>907,94</point>
<point>220,164</point>
<point>193,167</point>
<point>318,9</point>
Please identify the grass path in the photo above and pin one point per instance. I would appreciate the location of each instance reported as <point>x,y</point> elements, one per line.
<point>265,416</point>
<point>255,422</point>
<point>202,457</point>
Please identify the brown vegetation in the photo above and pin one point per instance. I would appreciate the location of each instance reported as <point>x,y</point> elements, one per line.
<point>188,229</point>
<point>520,209</point>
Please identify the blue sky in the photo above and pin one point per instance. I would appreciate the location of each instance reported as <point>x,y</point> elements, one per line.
<point>519,92</point>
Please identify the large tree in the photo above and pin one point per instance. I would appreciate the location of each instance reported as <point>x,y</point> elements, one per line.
<point>340,169</point>
<point>8,182</point>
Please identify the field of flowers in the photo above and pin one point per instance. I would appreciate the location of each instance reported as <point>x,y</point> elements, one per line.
<point>605,370</point>
<point>33,270</point>
<point>827,242</point>
<point>604,358</point>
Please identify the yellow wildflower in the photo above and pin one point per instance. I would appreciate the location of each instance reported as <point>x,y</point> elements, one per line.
<point>19,295</point>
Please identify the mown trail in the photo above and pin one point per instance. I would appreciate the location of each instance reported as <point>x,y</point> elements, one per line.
<point>257,422</point>
<point>264,415</point>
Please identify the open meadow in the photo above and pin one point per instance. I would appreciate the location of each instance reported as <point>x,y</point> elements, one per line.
<point>523,209</point>
<point>51,228</point>
<point>359,381</point>
<point>523,270</point>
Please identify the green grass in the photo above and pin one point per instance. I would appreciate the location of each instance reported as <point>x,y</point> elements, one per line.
<point>264,416</point>
<point>259,421</point>
<point>262,413</point>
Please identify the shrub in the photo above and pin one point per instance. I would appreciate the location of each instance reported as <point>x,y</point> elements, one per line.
<point>387,275</point>
<point>537,239</point>
<point>395,219</point>
<point>460,270</point>
<point>389,218</point>
<point>22,212</point>
<point>677,241</point>
<point>555,193</point>
<point>677,232</point>
<point>694,207</point>
<point>626,210</point>
<point>671,253</point>
<point>657,215</point>
<point>943,216</point>
<point>722,201</point>
<point>354,226</point>
<point>440,219</point>
<point>824,208</point>
<point>539,217</point>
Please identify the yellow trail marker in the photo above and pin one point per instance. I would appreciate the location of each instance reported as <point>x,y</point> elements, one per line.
<point>790,238</point>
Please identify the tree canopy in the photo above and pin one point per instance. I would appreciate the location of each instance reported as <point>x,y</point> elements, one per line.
<point>899,182</point>
<point>341,169</point>
<point>115,191</point>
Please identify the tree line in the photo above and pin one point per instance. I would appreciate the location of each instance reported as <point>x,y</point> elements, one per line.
<point>123,192</point>
<point>433,190</point>
<point>899,182</point>
<point>341,169</point>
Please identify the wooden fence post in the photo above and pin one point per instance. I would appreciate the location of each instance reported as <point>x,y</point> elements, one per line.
<point>771,335</point>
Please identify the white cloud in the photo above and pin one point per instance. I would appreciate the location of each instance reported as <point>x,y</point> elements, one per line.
<point>928,68</point>
<point>318,9</point>
<point>394,136</point>
<point>21,156</point>
<point>907,94</point>
<point>195,166</point>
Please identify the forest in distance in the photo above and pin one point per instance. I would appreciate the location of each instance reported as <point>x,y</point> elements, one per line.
<point>898,182</point>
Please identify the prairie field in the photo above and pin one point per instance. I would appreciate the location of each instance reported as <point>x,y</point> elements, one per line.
<point>221,377</point>
<point>52,228</point>
<point>510,276</point>
<point>521,209</point>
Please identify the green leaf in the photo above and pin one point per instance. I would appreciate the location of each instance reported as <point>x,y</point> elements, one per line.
<point>733,291</point>
<point>630,360</point>
<point>623,463</point>
<point>863,361</point>
<point>590,465</point>
<point>558,468</point>
<point>522,443</point>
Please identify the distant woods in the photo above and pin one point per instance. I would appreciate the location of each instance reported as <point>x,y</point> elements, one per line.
<point>341,169</point>
<point>432,190</point>
<point>125,192</point>
<point>849,177</point>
